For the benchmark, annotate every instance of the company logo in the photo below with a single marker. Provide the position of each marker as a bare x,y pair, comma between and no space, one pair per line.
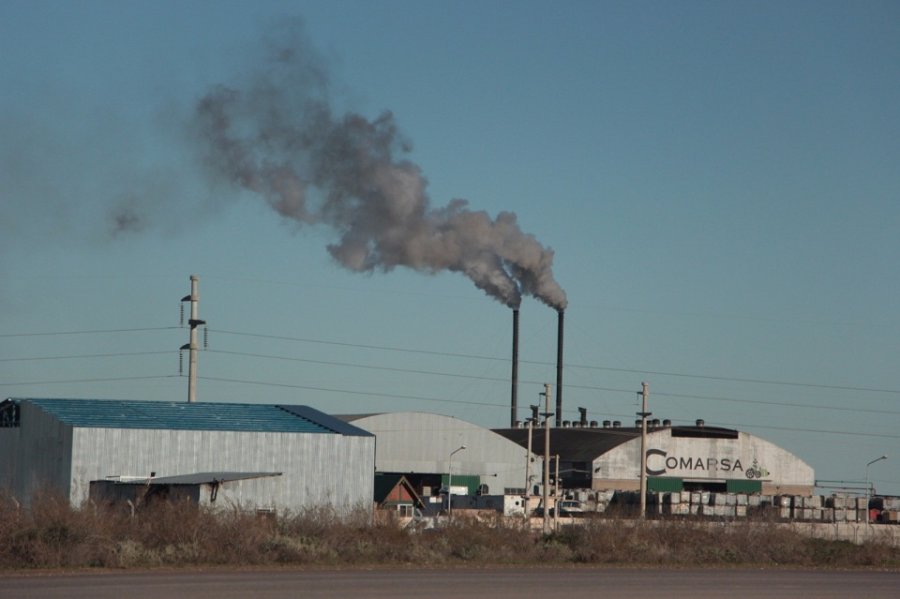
659,462
756,471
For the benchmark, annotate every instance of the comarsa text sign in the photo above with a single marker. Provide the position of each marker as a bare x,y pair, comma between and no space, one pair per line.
659,463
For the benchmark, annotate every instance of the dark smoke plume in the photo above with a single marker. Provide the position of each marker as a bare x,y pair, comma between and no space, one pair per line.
277,135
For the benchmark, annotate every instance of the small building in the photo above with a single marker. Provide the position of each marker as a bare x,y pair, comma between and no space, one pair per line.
264,457
393,492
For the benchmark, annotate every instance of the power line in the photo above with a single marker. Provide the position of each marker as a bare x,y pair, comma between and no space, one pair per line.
570,365
94,380
570,386
366,393
471,356
740,380
361,346
811,430
88,332
77,357
492,405
776,403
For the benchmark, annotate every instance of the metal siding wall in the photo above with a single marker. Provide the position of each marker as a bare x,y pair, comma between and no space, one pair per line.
422,442
9,450
42,455
318,469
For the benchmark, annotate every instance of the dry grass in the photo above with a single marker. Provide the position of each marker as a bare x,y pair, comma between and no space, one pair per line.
52,534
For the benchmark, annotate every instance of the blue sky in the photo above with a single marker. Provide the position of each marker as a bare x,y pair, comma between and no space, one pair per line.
717,180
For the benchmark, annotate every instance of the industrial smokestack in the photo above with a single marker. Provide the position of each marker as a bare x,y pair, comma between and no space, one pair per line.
513,415
559,367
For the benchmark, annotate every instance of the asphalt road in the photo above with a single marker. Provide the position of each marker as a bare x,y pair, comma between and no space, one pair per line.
496,583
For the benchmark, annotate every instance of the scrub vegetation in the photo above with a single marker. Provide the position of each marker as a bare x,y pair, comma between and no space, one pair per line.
52,534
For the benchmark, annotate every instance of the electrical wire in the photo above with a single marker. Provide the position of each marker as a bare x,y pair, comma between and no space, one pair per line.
505,406
347,391
94,380
89,332
84,356
569,365
569,386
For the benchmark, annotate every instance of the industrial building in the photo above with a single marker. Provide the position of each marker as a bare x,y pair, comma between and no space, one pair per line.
264,457
698,457
427,447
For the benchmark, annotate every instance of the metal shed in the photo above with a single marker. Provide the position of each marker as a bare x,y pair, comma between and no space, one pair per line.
63,444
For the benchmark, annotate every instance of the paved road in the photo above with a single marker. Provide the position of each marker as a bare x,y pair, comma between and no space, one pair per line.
496,583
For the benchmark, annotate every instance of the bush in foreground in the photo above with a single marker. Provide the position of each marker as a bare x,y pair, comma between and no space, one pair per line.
52,534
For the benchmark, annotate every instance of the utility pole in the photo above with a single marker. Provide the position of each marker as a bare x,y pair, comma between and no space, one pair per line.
531,422
645,391
192,348
546,485
556,494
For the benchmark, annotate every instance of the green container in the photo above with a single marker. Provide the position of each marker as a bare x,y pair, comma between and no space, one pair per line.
469,481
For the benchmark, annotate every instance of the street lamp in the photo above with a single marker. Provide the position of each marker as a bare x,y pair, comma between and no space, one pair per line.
884,457
450,481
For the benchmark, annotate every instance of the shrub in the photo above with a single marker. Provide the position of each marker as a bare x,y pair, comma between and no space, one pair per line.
52,534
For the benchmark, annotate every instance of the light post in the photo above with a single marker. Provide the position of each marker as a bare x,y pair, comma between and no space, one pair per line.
884,457
450,481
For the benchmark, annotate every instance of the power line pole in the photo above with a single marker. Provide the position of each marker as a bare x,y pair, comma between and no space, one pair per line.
546,485
531,422
556,495
645,391
194,321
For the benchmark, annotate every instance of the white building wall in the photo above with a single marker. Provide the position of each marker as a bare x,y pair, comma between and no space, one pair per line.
317,469
421,442
705,458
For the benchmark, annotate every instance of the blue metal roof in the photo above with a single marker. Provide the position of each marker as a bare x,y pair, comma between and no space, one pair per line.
106,413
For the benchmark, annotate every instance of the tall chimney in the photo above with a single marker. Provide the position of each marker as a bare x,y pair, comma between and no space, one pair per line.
515,369
559,368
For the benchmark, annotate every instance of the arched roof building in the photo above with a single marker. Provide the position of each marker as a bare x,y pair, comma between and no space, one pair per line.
678,457
419,444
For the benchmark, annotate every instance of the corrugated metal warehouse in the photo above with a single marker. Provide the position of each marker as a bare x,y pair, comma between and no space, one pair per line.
678,458
419,444
255,456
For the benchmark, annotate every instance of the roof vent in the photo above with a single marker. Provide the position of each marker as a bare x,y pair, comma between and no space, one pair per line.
594,424
700,423
617,423
667,423
607,424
